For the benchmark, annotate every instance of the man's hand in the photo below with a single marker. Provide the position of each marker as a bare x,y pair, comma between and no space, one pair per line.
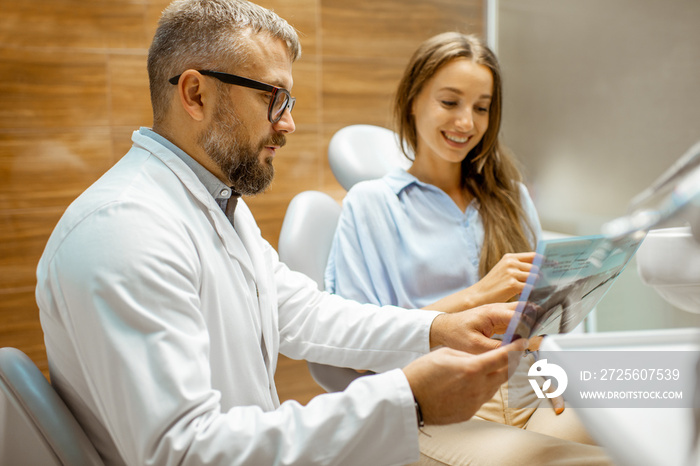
451,385
471,330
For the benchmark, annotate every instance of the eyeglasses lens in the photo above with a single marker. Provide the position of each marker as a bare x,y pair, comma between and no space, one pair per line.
279,105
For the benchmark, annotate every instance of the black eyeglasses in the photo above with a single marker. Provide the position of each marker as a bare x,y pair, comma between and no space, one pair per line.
279,102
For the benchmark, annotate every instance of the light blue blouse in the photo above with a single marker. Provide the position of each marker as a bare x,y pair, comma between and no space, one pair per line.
403,242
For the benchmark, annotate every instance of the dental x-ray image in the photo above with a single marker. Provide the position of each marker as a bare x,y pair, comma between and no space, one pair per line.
568,278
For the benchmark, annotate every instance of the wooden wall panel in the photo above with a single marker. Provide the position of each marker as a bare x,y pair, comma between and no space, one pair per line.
52,167
304,15
391,29
74,85
48,89
306,89
129,96
364,51
72,24
20,326
23,235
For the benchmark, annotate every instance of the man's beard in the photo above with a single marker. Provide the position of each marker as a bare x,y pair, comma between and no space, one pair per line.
228,145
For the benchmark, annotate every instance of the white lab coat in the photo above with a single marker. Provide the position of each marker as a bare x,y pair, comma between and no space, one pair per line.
163,324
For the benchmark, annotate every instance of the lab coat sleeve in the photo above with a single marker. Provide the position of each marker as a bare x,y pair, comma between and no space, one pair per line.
137,341
328,329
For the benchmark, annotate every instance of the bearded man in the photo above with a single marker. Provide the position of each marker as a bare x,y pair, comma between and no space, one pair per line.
164,310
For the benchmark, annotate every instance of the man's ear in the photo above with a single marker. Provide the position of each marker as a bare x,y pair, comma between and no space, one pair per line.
191,90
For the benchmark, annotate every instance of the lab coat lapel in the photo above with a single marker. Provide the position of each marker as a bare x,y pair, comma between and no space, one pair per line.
241,244
218,219
250,237
231,240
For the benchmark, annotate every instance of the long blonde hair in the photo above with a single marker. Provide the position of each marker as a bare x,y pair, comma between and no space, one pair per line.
489,173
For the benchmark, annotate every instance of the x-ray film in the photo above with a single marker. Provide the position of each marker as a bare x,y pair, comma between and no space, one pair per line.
568,278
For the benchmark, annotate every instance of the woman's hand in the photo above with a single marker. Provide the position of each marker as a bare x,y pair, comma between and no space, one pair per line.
503,282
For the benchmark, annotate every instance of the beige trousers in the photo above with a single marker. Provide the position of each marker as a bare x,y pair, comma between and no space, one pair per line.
478,442
503,433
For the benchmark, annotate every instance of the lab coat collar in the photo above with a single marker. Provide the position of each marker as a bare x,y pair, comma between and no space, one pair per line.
215,186
231,241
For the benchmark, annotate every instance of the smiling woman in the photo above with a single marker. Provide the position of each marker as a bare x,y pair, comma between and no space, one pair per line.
460,216
461,76
453,232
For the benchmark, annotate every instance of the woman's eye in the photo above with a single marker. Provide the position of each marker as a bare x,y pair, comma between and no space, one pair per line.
449,103
482,109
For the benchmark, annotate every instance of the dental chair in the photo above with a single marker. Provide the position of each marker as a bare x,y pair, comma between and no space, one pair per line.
304,243
37,427
355,153
307,232
364,152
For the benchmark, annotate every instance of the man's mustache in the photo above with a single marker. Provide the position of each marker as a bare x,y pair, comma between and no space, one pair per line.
277,140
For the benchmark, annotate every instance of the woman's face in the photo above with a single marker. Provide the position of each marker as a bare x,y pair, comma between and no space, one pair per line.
452,110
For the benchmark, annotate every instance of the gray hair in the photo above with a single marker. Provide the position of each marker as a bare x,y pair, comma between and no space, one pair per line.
201,34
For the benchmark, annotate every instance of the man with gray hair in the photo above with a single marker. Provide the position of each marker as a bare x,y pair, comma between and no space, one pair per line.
164,309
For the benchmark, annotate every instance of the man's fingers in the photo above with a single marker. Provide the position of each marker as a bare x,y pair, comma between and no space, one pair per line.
519,345
485,344
497,359
500,376
500,315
